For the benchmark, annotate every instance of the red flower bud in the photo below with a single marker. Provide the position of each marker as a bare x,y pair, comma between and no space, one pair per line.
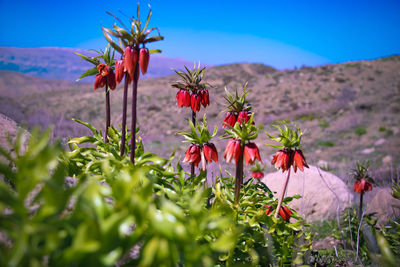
230,120
210,152
183,98
361,186
233,150
257,175
119,71
244,117
205,97
251,153
104,69
299,160
195,102
144,58
111,80
99,81
193,155
130,60
282,159
285,213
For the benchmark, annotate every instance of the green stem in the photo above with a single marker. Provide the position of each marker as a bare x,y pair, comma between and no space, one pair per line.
283,194
134,103
108,116
239,175
194,123
124,106
361,205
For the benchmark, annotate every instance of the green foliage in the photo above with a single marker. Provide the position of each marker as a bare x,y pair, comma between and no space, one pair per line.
326,143
191,79
357,234
360,130
288,137
199,134
115,207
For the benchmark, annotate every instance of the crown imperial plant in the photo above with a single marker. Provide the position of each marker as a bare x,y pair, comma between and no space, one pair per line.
131,42
363,181
289,155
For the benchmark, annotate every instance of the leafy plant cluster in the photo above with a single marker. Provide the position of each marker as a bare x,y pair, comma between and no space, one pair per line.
92,207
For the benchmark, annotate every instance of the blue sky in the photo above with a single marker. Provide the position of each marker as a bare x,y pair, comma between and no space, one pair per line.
282,34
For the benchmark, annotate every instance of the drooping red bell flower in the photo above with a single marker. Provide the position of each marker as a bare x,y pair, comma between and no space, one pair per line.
205,97
251,153
195,102
282,159
244,116
144,58
257,174
99,81
119,70
210,152
130,60
111,80
183,98
299,160
233,150
193,155
361,186
230,120
284,212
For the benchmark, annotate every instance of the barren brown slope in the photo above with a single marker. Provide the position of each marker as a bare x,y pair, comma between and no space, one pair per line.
348,111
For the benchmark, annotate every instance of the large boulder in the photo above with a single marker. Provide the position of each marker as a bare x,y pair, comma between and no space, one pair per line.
384,205
321,196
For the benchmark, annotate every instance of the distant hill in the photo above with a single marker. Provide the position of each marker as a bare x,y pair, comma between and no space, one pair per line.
63,64
348,112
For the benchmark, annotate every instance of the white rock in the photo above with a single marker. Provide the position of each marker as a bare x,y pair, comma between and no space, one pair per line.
368,150
385,205
380,141
318,202
387,159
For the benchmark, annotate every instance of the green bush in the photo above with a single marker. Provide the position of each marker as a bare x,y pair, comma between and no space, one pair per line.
147,214
360,131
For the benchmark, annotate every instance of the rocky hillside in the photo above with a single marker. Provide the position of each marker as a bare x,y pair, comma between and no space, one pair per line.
349,112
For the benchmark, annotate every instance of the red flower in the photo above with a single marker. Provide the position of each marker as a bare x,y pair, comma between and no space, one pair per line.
104,69
299,160
130,60
205,97
244,116
233,150
119,70
99,81
230,120
257,175
251,153
361,186
195,102
144,58
183,98
268,210
284,212
111,80
210,152
282,159
193,155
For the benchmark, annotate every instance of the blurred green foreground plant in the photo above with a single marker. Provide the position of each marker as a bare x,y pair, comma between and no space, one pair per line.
90,207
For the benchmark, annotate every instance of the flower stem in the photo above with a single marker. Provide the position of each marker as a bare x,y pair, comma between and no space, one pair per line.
194,123
125,103
134,102
108,119
239,175
283,194
361,205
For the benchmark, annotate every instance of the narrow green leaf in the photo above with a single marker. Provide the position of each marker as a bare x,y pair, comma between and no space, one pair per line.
89,72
